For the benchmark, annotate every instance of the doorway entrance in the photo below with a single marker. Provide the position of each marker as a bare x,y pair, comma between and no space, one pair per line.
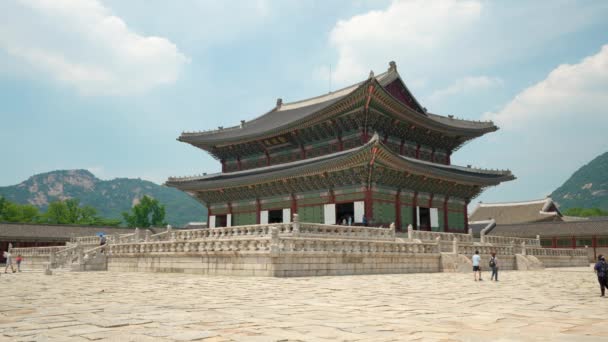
345,212
275,216
424,218
221,220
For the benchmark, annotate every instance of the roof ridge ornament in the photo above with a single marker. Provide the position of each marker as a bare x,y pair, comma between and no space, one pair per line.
279,102
392,66
371,74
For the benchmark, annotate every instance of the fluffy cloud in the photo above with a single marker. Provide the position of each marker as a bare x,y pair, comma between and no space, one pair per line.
410,28
576,91
82,44
550,129
466,85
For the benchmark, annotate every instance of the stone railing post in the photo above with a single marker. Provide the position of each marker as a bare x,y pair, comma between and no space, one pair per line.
296,224
52,258
470,232
438,242
136,236
147,235
523,248
274,241
410,232
392,228
455,245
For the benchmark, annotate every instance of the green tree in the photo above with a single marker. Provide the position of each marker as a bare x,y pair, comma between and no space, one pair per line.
70,212
13,212
585,212
147,213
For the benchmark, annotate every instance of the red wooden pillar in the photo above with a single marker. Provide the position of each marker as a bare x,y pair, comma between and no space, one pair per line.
223,165
446,226
368,204
554,242
385,139
573,242
229,212
258,210
401,147
448,159
267,158
208,215
238,163
433,155
294,204
466,217
303,151
417,151
415,212
398,210
594,245
340,143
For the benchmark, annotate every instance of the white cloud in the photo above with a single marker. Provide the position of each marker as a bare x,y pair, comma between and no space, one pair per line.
82,44
405,28
570,91
550,129
466,85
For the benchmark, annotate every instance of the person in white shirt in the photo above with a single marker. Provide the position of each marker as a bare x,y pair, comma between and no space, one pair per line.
476,268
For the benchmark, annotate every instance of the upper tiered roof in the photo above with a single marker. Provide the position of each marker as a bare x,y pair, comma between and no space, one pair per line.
286,117
517,212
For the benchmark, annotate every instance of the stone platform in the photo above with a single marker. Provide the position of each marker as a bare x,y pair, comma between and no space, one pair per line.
546,305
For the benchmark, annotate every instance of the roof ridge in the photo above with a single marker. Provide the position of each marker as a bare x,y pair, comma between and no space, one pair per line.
501,204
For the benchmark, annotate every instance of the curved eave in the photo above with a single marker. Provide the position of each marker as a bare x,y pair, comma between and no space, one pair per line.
446,125
339,161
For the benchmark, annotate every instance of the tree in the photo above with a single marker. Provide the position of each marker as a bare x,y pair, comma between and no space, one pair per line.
147,213
13,212
585,212
70,212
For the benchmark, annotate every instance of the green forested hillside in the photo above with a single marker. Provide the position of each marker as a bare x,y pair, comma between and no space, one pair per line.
587,187
110,198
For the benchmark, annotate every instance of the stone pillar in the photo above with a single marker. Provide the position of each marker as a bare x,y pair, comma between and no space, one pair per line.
438,242
392,228
410,232
296,224
52,258
136,236
470,231
523,248
274,241
147,236
455,245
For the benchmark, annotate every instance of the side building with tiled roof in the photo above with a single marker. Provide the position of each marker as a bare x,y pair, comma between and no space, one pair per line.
366,153
517,212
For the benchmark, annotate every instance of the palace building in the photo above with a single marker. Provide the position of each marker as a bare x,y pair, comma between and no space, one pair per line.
368,153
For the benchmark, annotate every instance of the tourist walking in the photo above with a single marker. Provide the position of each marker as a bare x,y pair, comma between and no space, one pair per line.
601,269
9,262
476,267
18,259
494,267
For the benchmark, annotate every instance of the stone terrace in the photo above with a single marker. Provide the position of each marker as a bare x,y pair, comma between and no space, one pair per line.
549,305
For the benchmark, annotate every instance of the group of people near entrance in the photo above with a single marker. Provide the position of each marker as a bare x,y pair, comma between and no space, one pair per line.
493,264
9,262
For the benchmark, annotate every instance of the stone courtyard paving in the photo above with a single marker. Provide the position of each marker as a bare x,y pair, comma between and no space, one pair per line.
548,305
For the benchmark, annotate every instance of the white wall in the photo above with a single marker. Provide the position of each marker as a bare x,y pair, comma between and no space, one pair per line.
329,213
359,211
264,217
286,215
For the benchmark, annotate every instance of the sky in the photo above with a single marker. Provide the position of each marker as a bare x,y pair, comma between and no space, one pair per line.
108,85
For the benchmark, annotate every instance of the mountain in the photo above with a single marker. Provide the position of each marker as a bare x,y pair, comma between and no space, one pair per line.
110,198
587,187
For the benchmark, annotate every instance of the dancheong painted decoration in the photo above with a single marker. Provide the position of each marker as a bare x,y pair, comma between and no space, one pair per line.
365,154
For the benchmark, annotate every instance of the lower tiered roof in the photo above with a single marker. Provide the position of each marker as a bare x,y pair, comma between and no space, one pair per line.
372,153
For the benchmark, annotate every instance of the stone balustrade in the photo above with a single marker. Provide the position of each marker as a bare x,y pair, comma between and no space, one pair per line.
300,244
555,252
507,240
85,240
432,236
343,232
251,244
469,250
36,251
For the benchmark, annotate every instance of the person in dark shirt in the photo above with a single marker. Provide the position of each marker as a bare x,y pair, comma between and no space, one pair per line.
601,269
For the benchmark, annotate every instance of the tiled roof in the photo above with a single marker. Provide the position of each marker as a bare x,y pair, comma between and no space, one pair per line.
47,232
342,159
516,212
553,229
285,114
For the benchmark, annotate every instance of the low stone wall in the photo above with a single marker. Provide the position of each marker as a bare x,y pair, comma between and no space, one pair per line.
563,261
220,263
